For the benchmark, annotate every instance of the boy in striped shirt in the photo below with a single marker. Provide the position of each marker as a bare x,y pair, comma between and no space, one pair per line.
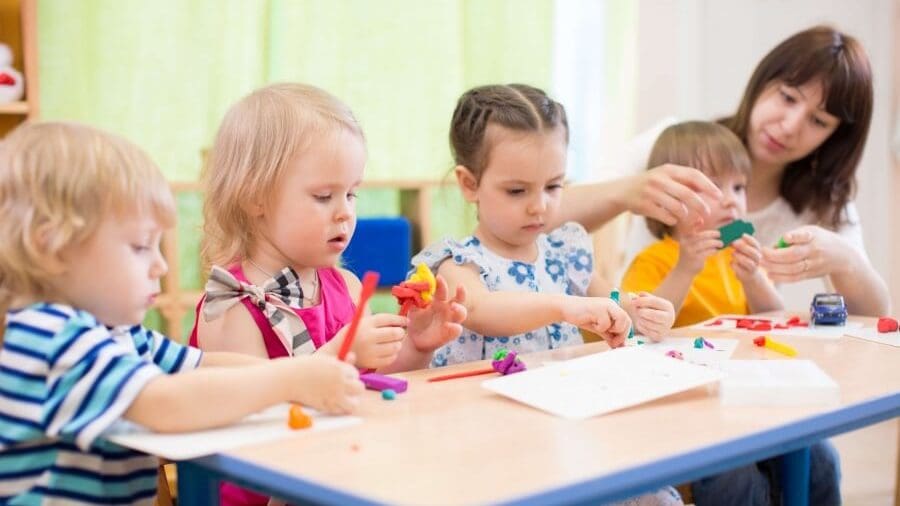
81,217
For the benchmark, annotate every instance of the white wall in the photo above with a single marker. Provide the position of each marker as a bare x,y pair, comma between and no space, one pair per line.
695,57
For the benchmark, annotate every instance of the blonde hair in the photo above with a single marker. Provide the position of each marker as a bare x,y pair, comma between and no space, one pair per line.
708,147
258,137
58,182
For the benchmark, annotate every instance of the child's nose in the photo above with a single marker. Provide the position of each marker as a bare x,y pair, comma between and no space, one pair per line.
729,199
538,205
344,211
159,267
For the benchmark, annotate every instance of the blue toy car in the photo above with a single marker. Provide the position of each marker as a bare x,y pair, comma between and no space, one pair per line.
828,309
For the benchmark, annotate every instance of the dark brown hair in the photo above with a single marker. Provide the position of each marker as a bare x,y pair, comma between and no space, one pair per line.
825,180
709,147
515,106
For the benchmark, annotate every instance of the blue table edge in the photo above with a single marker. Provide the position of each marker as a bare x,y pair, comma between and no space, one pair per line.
194,475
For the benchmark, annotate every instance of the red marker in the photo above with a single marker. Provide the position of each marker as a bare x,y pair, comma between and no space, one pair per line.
369,282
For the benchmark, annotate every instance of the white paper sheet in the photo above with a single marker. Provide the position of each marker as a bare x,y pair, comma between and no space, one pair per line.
776,383
264,426
603,382
872,334
817,331
723,348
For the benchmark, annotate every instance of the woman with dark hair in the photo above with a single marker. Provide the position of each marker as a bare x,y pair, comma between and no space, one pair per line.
804,119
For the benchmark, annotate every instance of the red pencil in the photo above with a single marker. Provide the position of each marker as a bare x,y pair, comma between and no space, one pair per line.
369,282
464,374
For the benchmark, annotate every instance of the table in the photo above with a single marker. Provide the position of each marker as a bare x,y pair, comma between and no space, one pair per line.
455,443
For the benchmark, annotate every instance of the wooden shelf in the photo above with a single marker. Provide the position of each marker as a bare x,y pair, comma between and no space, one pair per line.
18,30
19,107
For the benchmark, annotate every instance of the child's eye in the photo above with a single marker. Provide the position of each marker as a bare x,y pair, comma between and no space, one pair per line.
140,248
554,187
322,198
352,196
818,122
515,191
739,188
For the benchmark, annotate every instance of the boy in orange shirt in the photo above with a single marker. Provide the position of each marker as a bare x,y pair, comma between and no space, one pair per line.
688,265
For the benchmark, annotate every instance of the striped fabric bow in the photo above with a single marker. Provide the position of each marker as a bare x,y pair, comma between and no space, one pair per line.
274,299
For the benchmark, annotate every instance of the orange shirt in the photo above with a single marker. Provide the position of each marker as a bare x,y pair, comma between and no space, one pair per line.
714,291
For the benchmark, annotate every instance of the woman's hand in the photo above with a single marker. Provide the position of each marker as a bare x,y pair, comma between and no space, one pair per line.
813,252
670,193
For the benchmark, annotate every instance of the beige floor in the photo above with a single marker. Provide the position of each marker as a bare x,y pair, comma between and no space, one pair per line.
869,464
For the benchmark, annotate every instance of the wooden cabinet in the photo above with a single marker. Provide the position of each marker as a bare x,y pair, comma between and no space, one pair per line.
18,30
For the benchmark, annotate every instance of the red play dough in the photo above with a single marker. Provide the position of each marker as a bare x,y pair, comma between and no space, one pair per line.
886,324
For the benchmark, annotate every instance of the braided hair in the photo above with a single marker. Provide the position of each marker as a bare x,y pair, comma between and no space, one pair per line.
517,107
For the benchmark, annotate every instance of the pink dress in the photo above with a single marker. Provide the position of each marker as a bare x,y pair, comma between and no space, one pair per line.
323,321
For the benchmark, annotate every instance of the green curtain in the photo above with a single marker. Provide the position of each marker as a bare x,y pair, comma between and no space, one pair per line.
162,73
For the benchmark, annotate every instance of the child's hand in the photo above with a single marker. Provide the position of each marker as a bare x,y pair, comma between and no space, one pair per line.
378,340
695,248
746,258
600,315
652,315
325,384
440,322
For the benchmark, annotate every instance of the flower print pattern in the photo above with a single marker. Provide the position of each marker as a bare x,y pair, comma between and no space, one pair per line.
563,265
555,269
520,271
581,260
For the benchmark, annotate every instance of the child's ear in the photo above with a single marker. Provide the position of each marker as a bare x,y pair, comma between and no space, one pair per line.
254,209
52,258
468,184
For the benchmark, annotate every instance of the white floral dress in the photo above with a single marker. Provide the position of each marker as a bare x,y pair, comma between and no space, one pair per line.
563,266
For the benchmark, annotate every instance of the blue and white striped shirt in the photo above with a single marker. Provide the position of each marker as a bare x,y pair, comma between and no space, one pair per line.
64,379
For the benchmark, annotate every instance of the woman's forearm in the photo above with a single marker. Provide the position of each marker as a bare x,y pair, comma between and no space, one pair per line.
865,291
667,193
592,205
